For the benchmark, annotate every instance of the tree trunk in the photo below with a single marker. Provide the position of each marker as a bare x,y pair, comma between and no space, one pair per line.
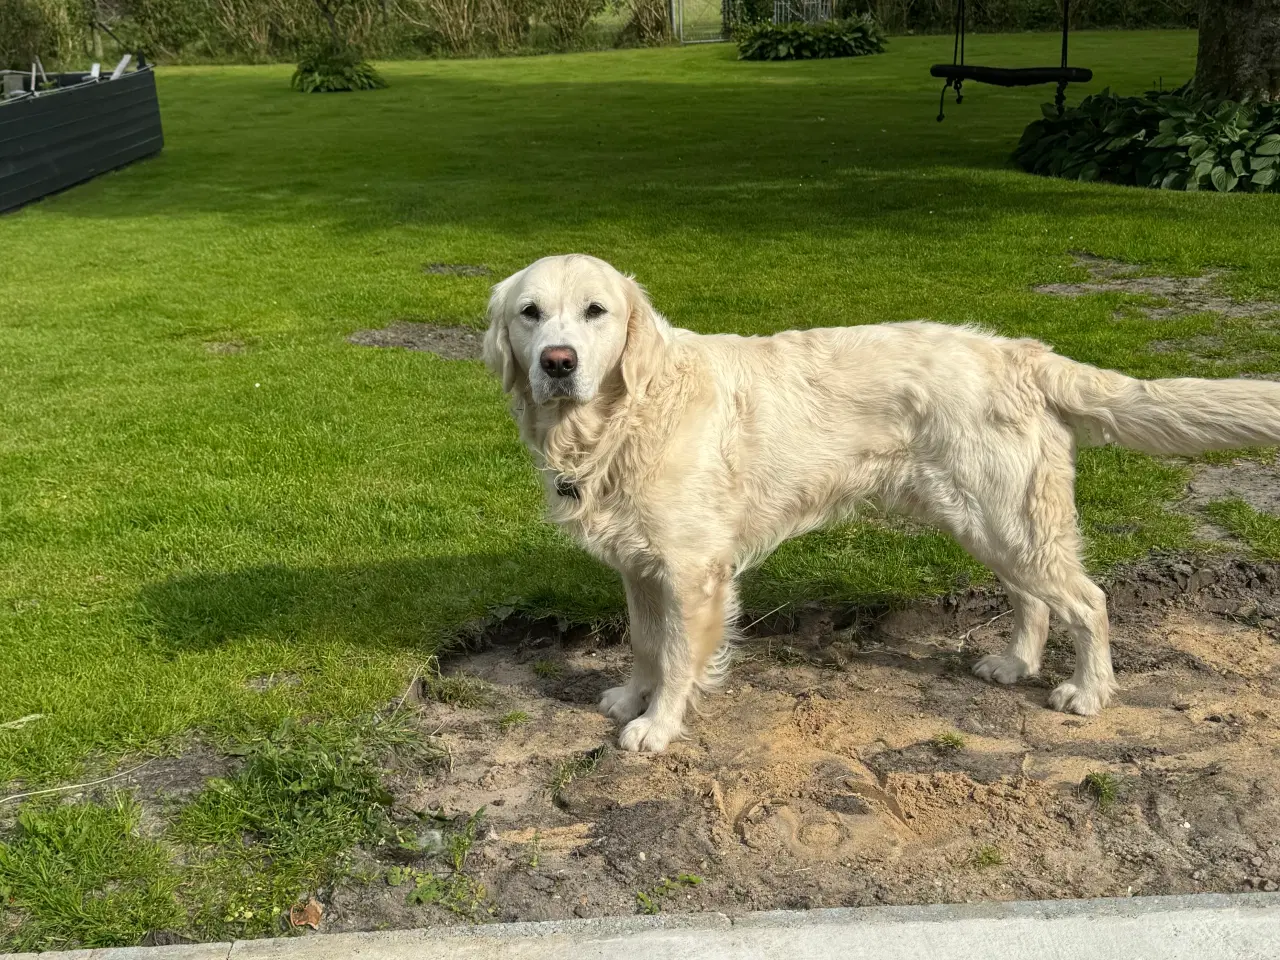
327,12
1239,55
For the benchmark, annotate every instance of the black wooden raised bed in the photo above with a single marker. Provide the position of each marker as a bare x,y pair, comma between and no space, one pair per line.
79,129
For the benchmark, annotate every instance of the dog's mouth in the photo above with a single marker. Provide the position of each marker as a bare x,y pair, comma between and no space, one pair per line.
546,389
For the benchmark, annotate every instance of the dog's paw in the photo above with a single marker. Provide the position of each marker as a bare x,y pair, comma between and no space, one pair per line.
623,703
643,735
999,668
1070,697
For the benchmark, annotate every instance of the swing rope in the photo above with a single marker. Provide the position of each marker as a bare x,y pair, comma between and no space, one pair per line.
957,72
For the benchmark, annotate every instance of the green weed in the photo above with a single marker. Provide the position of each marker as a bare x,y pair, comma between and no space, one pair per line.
456,690
987,856
650,901
1103,787
573,768
948,742
82,875
509,721
283,825
547,669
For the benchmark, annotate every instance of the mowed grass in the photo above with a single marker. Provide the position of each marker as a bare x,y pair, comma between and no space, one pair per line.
203,483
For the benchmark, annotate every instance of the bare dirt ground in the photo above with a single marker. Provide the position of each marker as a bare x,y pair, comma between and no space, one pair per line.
817,777
853,759
451,343
1170,296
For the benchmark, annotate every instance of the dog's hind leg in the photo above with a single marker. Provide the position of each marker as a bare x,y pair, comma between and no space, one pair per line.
693,634
1083,606
1021,658
1022,524
1063,587
645,623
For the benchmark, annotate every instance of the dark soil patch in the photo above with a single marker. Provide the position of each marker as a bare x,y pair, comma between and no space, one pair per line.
456,269
817,776
1257,484
451,343
174,780
1180,296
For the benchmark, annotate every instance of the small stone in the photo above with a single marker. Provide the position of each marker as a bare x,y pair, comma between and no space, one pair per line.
1270,886
1256,861
642,857
1198,876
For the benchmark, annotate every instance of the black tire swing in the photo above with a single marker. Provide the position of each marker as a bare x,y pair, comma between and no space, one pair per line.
957,72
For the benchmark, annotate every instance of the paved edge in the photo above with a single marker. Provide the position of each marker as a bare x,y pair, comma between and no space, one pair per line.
345,944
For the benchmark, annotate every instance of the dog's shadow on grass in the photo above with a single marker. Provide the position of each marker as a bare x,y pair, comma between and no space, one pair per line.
408,602
419,603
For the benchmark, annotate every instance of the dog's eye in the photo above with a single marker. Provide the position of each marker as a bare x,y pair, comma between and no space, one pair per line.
595,310
531,311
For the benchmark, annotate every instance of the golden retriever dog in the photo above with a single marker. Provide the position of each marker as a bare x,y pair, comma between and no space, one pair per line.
681,459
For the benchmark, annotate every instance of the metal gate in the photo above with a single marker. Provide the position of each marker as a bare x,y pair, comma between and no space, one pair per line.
700,21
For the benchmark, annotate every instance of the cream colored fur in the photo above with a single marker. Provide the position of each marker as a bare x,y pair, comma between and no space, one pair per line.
695,456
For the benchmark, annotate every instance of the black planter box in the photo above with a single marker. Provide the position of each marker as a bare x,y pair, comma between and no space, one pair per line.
71,134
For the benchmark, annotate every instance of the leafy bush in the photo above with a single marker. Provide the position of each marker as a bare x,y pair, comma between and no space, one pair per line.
1010,16
253,31
744,13
567,20
1172,140
329,69
646,25
854,37
21,34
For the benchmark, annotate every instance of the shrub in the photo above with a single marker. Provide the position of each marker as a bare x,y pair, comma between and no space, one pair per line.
744,13
164,28
647,24
1002,16
853,37
1172,140
568,20
21,34
329,69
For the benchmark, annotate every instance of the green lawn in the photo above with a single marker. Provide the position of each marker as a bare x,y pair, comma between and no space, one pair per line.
176,521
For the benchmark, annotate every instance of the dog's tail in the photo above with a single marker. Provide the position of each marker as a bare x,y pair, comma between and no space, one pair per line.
1184,416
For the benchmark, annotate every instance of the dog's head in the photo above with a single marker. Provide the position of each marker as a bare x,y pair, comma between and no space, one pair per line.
565,326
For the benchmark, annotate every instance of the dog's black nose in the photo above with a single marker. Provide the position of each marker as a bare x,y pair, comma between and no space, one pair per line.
559,362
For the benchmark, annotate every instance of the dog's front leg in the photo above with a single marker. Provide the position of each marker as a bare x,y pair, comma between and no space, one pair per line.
645,624
692,623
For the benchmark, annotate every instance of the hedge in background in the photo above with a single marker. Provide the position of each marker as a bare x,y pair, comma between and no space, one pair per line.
854,37
998,16
258,31
1172,140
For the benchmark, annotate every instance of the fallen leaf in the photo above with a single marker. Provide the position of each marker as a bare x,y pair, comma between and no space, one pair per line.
306,915
21,721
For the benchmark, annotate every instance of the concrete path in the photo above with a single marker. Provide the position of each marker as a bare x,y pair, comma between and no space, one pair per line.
1203,927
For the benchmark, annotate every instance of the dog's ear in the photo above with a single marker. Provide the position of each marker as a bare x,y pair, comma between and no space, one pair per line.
497,353
643,353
